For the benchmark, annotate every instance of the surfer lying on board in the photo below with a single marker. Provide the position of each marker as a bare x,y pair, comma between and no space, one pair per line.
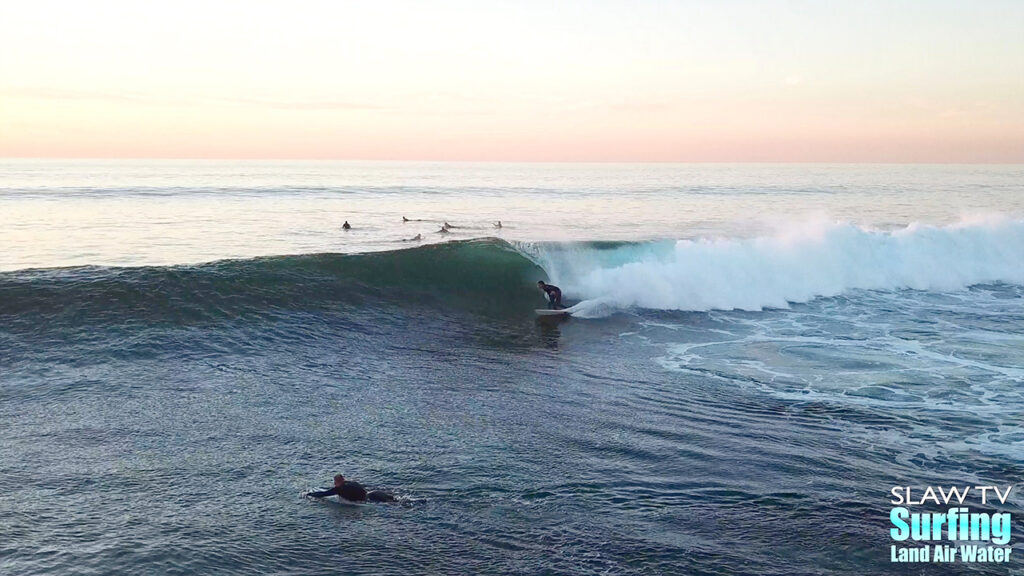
554,295
352,491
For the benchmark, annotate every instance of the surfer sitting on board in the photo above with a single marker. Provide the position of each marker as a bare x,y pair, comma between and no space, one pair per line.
352,491
554,295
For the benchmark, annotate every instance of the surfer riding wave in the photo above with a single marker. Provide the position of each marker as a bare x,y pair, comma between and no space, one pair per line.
554,294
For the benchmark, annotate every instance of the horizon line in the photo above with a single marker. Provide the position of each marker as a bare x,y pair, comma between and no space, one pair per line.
477,161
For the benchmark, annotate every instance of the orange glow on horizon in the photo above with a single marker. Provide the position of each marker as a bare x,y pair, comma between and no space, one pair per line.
654,82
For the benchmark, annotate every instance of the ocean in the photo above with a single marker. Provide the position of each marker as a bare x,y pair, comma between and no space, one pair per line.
758,355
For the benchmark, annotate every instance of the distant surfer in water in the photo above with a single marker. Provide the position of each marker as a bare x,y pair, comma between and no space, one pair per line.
443,230
554,294
352,491
497,224
415,238
346,226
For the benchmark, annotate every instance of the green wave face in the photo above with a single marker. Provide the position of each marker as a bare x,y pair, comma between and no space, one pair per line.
484,276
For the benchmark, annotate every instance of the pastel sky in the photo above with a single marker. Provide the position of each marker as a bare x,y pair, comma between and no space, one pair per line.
641,80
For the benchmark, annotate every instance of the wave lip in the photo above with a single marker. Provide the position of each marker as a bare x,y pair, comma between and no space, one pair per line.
812,260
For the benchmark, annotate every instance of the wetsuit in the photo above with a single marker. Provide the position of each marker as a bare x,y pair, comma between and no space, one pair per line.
554,296
354,492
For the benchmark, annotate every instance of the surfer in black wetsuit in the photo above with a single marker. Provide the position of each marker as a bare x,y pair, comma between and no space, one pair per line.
352,491
554,294
346,226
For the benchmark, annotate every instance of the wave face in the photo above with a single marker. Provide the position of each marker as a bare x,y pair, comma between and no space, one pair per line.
811,260
814,259
484,275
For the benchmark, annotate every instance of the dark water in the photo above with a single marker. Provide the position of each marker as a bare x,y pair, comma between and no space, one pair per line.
166,420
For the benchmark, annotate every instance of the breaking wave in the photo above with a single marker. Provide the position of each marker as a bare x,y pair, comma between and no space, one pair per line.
815,259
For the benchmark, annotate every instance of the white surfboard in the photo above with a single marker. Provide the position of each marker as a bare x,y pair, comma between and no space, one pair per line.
346,503
547,312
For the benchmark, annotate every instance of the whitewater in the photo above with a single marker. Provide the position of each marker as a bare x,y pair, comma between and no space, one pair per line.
756,352
805,261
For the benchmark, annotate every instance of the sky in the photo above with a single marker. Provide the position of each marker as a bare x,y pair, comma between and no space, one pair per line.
643,80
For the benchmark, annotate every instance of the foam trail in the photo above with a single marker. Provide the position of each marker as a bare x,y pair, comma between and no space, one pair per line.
594,308
812,260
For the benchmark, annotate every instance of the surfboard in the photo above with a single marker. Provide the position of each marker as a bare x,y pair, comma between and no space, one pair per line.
547,312
346,503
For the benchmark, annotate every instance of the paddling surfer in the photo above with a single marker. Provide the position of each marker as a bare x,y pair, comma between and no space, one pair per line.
352,491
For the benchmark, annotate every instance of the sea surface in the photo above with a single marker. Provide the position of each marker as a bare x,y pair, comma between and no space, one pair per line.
757,355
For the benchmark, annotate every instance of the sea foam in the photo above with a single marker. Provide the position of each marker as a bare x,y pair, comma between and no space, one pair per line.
796,264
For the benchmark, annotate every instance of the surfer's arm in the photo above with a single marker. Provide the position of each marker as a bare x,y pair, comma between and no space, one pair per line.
323,493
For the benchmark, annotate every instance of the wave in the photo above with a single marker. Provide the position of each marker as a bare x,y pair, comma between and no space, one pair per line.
490,276
482,275
813,259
